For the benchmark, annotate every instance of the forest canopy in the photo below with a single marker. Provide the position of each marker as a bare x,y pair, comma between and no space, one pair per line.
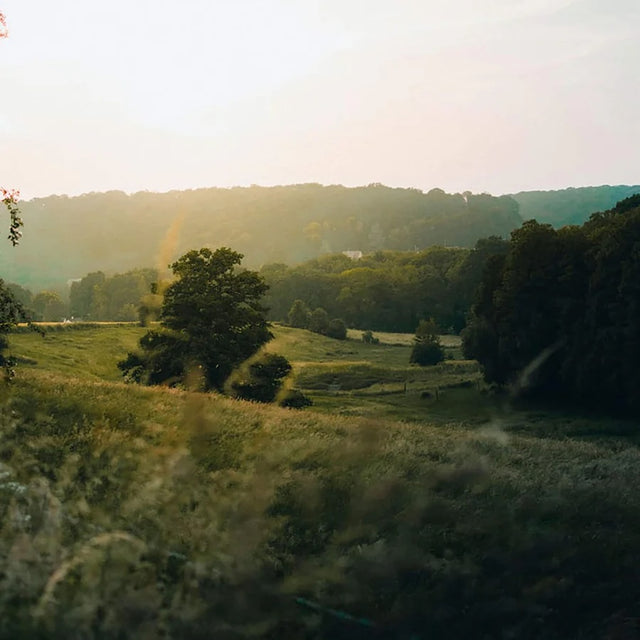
557,316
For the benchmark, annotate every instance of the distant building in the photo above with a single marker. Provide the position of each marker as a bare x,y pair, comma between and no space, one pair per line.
354,255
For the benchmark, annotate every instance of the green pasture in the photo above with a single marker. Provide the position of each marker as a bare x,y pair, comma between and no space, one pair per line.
345,376
376,380
89,353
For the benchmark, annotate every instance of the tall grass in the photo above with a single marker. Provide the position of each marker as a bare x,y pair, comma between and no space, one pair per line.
133,512
148,512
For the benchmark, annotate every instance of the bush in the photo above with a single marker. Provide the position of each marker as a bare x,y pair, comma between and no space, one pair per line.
427,349
369,338
337,329
264,379
427,353
295,399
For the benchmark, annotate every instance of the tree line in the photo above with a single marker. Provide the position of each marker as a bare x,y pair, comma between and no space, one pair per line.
385,290
557,315
121,297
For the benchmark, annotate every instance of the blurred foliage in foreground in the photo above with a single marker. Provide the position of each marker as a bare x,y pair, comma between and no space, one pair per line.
133,512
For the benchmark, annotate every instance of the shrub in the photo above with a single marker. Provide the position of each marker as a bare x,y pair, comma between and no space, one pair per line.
264,379
426,354
337,329
427,349
295,399
369,338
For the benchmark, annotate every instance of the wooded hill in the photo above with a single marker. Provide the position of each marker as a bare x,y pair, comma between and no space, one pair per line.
68,237
570,206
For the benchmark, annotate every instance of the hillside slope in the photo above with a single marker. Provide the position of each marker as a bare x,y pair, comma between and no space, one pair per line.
69,237
145,512
570,206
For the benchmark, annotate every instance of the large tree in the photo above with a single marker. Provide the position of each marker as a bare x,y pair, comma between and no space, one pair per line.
212,321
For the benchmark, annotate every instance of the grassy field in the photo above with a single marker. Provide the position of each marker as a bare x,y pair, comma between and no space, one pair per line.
376,380
348,377
87,353
131,512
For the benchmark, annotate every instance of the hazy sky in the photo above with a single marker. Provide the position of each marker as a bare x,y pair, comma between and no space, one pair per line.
486,95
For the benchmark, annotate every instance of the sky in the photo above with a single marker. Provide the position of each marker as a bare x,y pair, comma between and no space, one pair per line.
481,95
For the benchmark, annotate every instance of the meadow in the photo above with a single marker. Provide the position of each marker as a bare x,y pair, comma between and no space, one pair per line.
435,511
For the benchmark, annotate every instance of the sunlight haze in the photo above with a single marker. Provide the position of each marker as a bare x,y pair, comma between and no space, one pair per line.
498,96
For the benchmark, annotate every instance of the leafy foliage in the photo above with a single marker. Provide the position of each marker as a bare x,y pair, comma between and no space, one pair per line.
212,321
383,291
427,349
121,297
557,316
295,399
264,379
9,198
12,311
319,321
336,329
369,338
299,315
48,306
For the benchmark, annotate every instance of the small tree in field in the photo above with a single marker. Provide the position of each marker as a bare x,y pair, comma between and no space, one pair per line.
427,349
369,338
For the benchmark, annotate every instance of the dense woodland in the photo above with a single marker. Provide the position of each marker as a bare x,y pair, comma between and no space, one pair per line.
386,290
68,237
383,291
95,297
558,314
